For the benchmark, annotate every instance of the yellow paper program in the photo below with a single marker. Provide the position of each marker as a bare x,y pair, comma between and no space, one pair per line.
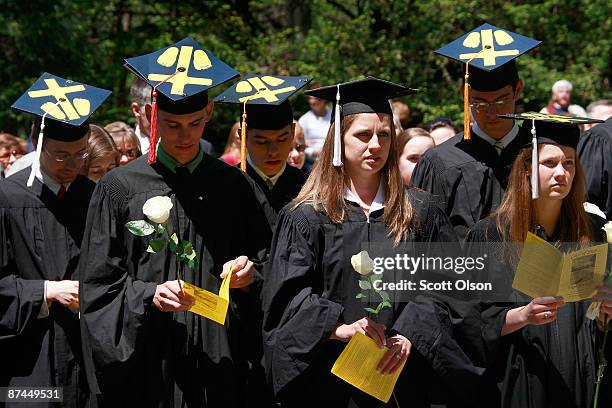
357,366
209,305
543,270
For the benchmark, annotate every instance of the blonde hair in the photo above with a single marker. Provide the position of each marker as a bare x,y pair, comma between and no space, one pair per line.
324,188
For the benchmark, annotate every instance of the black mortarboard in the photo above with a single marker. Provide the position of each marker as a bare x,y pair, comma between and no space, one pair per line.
367,95
549,129
491,51
61,107
180,76
265,100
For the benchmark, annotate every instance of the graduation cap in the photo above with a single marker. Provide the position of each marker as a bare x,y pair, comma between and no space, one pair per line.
549,129
367,95
62,108
180,76
265,101
491,50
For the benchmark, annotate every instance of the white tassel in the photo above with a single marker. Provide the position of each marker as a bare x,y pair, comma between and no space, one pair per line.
36,163
337,160
535,178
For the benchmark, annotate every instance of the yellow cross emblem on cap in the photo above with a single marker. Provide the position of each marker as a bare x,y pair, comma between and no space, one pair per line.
488,38
556,118
182,58
72,110
261,85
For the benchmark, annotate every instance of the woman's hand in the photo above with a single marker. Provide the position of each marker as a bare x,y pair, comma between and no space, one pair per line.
542,310
65,292
170,298
367,326
399,350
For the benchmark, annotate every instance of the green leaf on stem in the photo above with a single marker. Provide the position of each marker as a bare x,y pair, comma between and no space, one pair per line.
384,296
365,285
173,243
360,296
370,310
156,245
160,229
140,228
192,263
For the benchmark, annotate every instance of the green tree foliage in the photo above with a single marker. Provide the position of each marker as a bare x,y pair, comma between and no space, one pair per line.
333,41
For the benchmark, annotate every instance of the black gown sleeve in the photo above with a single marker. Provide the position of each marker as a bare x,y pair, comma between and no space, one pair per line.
445,329
20,299
296,319
595,153
113,304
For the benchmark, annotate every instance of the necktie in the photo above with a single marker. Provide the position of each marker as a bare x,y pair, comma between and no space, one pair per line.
499,146
61,192
269,184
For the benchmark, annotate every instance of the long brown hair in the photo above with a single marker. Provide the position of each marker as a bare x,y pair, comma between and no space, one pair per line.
515,216
324,189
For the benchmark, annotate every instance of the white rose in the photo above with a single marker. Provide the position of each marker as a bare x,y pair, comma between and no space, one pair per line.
608,229
157,208
362,263
593,209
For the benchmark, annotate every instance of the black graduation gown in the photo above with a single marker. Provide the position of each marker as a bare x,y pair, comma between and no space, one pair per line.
286,189
138,355
546,366
40,238
468,177
595,154
310,285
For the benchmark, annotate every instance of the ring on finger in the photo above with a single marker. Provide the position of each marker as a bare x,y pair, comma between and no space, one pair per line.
547,314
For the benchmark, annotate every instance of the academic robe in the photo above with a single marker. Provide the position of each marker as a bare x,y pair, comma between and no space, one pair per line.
595,154
310,286
469,178
140,356
285,189
538,366
40,239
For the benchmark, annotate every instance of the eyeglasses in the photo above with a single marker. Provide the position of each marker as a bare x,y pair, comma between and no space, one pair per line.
495,106
63,157
299,147
6,155
130,154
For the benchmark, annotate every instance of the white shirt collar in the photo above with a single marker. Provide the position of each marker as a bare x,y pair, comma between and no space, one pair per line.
377,204
261,174
506,140
143,140
53,185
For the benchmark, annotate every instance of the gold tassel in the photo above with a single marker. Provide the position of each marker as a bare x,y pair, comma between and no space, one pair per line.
243,147
243,131
467,135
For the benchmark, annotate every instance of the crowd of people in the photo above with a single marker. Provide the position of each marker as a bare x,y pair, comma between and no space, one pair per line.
101,310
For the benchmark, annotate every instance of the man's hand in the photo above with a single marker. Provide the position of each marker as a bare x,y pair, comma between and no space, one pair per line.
65,292
169,297
243,272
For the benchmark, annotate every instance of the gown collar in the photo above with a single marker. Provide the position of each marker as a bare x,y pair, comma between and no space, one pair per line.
377,204
506,140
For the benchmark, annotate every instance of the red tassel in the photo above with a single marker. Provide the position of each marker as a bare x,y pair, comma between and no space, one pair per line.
153,133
